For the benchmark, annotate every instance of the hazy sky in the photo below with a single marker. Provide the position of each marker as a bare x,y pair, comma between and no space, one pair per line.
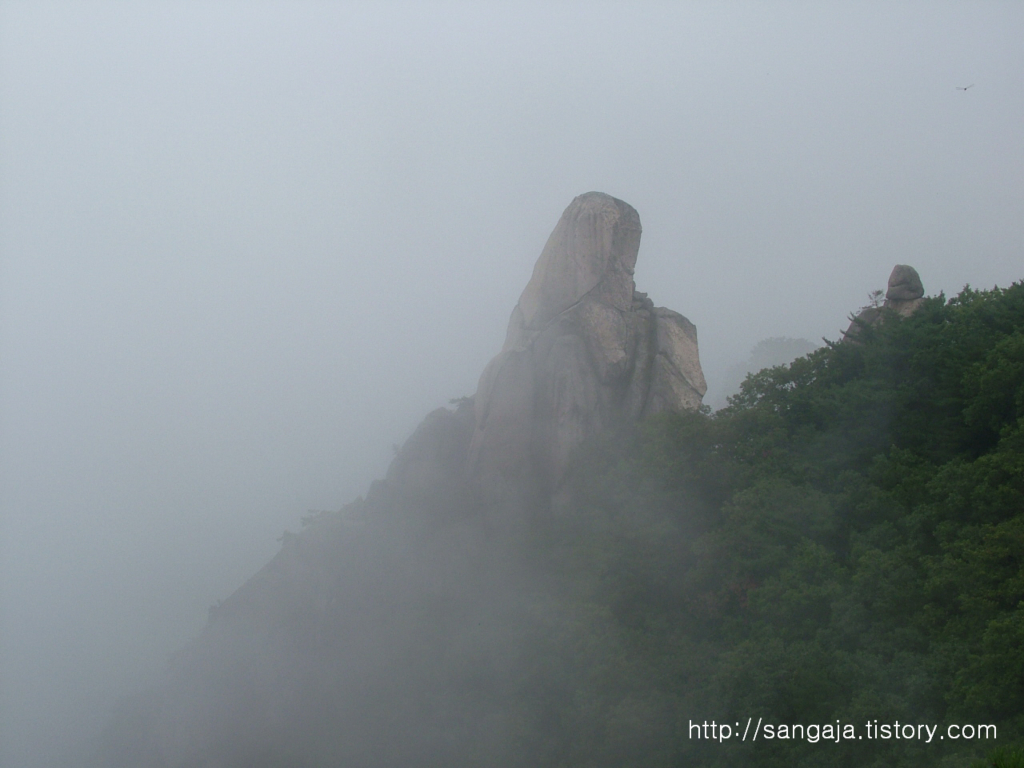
246,247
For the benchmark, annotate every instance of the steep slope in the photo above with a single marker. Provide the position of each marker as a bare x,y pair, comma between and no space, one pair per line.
840,546
414,627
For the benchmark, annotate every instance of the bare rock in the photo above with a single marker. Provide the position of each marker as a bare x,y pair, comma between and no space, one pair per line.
677,380
584,352
905,291
591,253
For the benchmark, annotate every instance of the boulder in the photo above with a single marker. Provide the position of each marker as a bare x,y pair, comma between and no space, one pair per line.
904,294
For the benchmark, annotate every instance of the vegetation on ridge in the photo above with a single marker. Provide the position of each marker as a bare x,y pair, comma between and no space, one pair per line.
844,542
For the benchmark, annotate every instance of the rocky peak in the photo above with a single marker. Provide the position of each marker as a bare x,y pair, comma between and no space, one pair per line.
591,253
584,352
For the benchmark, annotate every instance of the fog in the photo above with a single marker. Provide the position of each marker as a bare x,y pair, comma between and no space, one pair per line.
245,248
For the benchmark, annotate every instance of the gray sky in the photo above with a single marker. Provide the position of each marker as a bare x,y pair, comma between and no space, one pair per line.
244,248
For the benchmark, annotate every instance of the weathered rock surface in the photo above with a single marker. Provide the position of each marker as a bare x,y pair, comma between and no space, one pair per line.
905,291
904,294
584,352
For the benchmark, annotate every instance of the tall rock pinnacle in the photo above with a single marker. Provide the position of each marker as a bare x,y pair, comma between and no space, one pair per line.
584,352
591,253
413,595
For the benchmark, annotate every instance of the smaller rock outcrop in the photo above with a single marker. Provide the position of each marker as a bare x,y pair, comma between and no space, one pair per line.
904,294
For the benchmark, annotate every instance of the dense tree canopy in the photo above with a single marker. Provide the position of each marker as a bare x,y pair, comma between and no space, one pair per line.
842,545
843,542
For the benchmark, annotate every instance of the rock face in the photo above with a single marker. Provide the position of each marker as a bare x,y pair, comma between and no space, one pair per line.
905,291
904,294
584,352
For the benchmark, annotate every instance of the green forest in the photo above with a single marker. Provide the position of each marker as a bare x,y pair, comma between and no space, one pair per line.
842,544
794,580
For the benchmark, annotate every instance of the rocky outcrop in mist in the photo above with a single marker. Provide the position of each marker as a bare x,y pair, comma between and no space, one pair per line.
584,352
406,629
904,294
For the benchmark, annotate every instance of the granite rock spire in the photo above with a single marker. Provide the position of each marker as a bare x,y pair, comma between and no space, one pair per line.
584,352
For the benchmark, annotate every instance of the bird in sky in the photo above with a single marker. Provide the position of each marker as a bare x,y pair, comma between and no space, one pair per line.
964,87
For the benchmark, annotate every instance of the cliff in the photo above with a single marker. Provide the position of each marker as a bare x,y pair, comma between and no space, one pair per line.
395,632
584,352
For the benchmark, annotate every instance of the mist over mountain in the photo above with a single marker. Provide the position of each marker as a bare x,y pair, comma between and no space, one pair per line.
246,248
410,627
767,353
576,563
